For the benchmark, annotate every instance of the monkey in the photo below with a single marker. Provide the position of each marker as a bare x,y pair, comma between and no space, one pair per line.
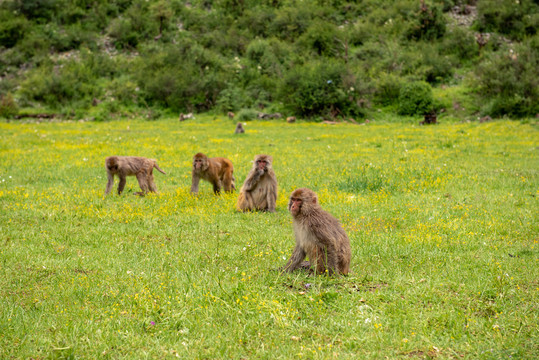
239,129
218,171
184,117
318,235
259,191
231,115
291,119
140,167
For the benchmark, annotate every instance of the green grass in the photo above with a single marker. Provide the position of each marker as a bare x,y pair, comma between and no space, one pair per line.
443,222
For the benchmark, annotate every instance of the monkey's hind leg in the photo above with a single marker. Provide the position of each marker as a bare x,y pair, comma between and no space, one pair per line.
143,183
151,183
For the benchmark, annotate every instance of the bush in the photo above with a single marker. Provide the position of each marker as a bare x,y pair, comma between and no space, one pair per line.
73,83
460,43
387,89
8,107
231,99
247,115
429,24
12,29
320,38
516,19
508,80
318,88
183,77
415,98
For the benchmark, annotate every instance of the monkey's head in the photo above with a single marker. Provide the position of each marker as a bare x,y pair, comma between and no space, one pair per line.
302,201
263,162
200,162
112,164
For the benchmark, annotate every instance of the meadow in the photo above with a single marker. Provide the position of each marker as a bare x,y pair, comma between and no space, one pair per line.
443,222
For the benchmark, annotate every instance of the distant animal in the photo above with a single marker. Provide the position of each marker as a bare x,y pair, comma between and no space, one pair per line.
184,117
239,129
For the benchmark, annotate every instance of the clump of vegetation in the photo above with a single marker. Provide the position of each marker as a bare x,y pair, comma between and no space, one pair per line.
247,115
415,98
8,106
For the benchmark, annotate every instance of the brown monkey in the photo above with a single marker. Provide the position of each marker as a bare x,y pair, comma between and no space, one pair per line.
259,191
231,115
218,171
318,236
239,129
140,167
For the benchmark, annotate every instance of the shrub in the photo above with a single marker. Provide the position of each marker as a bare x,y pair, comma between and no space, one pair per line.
247,115
317,88
459,42
508,80
415,98
387,89
290,22
122,32
231,99
12,29
516,19
8,106
434,68
429,24
320,38
183,77
71,83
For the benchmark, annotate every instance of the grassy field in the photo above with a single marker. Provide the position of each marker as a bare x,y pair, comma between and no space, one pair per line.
443,222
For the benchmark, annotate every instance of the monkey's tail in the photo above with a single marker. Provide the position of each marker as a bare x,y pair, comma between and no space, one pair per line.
158,168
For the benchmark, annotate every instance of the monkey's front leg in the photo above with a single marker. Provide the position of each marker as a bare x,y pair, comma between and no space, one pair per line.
110,183
295,260
121,185
194,184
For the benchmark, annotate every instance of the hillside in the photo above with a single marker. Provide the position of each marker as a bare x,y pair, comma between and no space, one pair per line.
315,59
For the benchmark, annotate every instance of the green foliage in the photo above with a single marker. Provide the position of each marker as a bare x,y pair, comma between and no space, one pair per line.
12,28
415,98
509,79
8,106
230,54
321,38
231,99
183,77
516,19
388,87
429,23
247,115
320,88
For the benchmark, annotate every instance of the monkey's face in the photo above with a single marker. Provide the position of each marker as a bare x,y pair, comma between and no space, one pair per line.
200,162
112,165
197,164
294,205
262,164
302,201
